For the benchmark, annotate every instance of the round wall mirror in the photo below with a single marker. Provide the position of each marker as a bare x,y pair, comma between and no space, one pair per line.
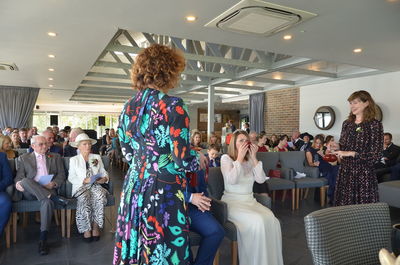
324,118
379,115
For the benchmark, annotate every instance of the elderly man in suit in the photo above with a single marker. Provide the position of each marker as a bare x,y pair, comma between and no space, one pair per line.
33,167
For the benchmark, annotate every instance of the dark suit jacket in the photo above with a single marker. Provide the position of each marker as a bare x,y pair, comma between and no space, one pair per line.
70,151
298,144
392,152
27,168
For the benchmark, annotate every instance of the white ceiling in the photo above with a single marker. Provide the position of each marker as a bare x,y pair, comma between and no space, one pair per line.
85,28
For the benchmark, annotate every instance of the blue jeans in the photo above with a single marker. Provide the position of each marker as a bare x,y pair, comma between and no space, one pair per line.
5,210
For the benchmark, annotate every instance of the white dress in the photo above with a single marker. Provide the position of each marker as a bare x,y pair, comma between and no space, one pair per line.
259,232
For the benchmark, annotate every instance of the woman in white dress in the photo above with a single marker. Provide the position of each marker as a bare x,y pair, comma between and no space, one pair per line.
259,232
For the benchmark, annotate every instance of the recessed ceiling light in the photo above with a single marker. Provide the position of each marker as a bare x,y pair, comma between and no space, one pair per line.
51,85
52,34
51,69
287,37
250,83
51,79
277,76
190,18
357,50
51,56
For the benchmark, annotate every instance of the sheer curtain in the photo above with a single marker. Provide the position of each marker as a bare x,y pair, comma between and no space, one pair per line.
256,112
16,105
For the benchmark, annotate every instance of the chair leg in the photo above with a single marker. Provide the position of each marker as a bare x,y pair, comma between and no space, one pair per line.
63,222
73,217
14,225
8,233
234,253
55,214
293,198
297,198
322,195
25,219
273,195
69,212
216,258
284,195
306,194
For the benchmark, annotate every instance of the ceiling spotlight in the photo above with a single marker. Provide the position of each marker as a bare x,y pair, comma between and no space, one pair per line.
287,37
51,85
51,79
357,50
52,34
51,56
51,69
277,77
190,18
250,83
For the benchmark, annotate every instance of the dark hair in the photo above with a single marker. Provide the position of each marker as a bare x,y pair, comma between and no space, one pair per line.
328,138
158,65
388,134
320,136
214,146
370,111
283,136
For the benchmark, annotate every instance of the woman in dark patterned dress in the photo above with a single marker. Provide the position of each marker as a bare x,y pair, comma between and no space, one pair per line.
361,145
152,224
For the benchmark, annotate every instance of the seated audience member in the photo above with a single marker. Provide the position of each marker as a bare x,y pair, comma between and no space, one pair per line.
62,136
202,222
49,136
15,142
70,151
7,131
23,136
246,127
315,158
259,231
92,197
282,145
253,137
56,131
5,147
195,141
306,141
6,179
34,131
390,152
32,169
274,140
261,143
213,155
329,144
213,140
104,144
296,142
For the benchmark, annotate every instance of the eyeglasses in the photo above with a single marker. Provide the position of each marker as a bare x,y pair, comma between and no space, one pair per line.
40,144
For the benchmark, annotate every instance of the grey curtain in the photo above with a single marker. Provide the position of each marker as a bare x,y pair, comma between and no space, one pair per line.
256,112
16,105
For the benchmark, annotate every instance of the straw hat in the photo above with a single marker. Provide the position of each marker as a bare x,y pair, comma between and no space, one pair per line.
82,137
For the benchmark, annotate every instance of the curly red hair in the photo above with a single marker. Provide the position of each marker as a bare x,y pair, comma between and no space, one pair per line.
159,66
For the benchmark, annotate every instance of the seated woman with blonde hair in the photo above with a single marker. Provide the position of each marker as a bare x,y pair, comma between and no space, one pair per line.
5,147
86,173
259,232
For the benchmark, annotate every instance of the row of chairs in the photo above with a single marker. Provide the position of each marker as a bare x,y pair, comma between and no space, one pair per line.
26,206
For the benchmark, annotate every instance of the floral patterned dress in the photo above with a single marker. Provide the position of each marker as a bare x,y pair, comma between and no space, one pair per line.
152,224
357,182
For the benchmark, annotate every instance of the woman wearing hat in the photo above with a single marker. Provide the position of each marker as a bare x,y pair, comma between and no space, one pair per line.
90,194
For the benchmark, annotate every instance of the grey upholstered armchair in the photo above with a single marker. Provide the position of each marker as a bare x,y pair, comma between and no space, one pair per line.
350,235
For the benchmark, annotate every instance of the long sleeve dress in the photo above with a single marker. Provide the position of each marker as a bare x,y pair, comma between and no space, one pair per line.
357,182
259,232
152,224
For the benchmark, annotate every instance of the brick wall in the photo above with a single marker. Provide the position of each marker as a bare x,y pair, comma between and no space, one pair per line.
281,111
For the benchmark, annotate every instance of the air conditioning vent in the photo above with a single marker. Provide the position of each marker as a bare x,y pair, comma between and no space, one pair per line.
8,66
259,18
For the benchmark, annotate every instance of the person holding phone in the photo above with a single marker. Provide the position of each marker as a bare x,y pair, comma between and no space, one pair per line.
361,146
259,231
91,196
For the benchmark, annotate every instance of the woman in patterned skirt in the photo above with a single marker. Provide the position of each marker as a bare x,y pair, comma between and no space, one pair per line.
152,224
91,196
361,145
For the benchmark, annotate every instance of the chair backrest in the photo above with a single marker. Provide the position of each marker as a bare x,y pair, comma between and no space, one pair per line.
215,182
293,159
351,234
268,159
106,162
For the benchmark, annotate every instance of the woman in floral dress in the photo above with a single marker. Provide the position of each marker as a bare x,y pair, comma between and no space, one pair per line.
361,146
152,224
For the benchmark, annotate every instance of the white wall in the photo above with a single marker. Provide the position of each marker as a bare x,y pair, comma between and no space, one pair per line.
384,88
193,116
